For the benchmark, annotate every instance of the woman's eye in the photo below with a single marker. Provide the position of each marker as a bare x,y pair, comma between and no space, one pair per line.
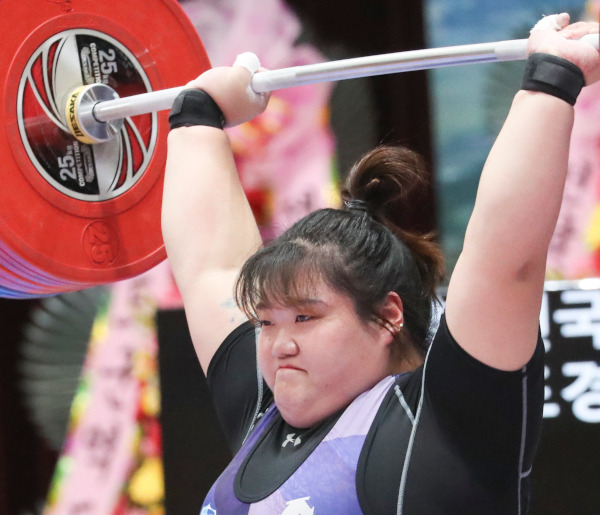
263,323
302,318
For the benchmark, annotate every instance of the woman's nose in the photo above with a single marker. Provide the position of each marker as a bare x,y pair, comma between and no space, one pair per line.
284,345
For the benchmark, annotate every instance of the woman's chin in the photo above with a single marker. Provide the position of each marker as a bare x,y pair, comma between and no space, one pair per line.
294,414
300,421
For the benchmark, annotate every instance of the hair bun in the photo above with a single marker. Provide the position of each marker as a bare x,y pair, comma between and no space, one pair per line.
385,179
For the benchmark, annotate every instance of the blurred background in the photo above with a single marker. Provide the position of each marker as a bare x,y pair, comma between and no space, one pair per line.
103,407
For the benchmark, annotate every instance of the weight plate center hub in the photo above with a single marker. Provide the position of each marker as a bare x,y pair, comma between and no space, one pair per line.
62,64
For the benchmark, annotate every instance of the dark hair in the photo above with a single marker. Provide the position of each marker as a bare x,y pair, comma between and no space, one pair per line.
360,251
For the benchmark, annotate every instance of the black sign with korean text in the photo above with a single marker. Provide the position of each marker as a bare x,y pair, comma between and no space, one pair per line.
566,473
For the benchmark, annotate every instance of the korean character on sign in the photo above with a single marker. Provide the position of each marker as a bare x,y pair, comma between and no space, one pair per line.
545,322
551,409
101,444
584,392
580,321
122,373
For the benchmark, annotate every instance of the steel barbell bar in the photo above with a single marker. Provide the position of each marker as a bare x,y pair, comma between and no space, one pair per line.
97,117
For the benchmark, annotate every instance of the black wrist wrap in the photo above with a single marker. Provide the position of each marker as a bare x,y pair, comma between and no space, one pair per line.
195,107
553,75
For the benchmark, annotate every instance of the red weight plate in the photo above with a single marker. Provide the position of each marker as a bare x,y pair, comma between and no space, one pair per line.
75,214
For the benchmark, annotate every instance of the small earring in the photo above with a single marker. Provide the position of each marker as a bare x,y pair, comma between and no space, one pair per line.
396,329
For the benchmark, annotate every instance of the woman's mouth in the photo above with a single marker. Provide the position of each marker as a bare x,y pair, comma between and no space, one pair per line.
288,367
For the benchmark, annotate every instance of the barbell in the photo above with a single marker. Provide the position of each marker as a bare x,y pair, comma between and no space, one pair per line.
84,102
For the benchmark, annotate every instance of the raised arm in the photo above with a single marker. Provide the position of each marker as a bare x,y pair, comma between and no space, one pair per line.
495,292
208,226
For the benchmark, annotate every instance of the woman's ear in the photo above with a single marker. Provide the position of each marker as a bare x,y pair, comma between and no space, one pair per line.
392,312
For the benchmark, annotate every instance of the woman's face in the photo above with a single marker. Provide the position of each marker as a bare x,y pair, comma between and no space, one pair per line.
318,356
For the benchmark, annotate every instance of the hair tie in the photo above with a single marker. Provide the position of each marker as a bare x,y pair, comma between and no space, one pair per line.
357,205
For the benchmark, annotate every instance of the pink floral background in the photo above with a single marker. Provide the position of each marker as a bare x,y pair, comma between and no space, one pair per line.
575,249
